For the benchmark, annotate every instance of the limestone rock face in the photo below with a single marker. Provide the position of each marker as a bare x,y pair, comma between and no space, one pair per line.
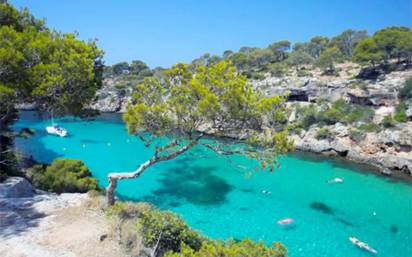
16,187
380,92
409,109
388,150
111,98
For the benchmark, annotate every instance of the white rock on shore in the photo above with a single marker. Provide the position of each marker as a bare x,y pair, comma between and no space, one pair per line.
49,225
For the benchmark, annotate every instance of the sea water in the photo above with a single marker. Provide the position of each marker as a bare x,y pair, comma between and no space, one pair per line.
224,197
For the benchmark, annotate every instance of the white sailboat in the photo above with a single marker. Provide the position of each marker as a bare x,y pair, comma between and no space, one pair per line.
54,129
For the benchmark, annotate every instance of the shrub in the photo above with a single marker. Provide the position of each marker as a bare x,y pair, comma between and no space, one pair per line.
324,133
244,248
307,115
169,229
303,73
331,116
340,111
124,217
356,135
256,75
369,127
388,121
153,227
400,114
63,176
406,91
294,127
278,69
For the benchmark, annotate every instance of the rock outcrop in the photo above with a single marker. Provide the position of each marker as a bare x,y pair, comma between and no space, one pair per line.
390,150
16,187
40,224
311,89
111,97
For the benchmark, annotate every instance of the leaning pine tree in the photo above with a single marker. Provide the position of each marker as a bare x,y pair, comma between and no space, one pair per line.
175,112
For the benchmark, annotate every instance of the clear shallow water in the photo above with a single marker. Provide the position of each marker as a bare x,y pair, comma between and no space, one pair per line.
218,196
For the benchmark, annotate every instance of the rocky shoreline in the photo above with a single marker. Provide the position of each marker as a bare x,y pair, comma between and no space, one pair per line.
381,152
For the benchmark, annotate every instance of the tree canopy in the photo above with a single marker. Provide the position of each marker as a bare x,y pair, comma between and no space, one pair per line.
385,44
57,71
187,104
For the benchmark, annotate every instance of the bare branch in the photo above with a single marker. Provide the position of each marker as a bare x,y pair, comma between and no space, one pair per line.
221,151
114,177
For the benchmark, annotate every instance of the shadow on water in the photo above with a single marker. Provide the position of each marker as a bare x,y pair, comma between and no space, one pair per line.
394,229
187,182
318,206
326,209
335,161
41,154
92,141
246,190
342,162
345,222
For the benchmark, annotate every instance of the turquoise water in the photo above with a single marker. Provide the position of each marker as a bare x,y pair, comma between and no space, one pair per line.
221,197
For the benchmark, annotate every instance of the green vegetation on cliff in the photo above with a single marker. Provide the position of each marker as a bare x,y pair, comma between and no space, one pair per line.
141,228
63,176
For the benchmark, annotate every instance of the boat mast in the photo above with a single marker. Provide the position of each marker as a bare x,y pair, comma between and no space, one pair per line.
52,119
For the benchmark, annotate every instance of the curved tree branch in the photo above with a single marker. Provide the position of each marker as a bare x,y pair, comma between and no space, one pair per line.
114,177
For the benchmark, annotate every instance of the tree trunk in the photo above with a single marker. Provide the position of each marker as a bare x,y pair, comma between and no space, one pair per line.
114,177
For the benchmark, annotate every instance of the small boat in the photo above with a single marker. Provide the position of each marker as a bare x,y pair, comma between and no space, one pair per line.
362,245
266,192
335,181
56,130
286,221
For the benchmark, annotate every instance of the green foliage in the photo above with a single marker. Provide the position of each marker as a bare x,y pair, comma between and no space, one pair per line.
385,44
394,42
162,229
8,159
406,92
19,20
216,96
303,73
278,69
367,52
120,68
356,135
388,121
329,57
307,115
347,41
313,48
169,229
63,176
369,127
279,50
170,235
55,70
338,111
324,133
400,114
316,46
244,248
298,59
